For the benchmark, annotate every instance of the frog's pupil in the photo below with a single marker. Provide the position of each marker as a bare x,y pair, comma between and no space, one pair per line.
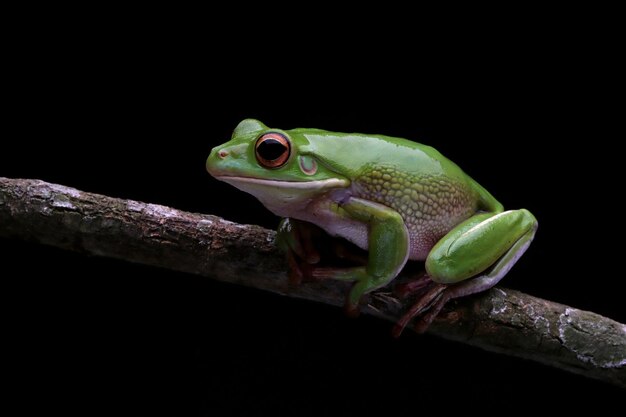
271,149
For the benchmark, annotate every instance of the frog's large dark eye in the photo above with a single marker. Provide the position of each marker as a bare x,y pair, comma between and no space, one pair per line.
272,150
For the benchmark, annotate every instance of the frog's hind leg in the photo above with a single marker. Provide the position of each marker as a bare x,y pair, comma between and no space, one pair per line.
475,285
488,241
488,280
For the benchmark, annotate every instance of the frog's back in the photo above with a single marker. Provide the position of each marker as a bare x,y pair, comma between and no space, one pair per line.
348,153
430,192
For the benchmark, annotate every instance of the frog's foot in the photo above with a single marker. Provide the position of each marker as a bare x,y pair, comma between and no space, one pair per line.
364,283
423,322
427,302
430,305
412,287
351,308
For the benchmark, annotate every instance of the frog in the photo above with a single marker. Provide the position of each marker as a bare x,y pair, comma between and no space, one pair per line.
397,199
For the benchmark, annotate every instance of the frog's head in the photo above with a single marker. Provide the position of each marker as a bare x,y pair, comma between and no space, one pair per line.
276,166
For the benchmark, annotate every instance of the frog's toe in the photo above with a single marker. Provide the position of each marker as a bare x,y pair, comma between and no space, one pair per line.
427,301
423,323
412,287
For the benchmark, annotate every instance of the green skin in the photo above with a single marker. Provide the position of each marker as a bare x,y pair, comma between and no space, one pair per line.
398,199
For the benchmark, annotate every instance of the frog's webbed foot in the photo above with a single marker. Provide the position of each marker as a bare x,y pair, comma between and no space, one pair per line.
413,287
428,305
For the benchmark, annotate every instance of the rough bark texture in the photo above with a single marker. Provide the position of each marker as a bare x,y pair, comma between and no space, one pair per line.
499,320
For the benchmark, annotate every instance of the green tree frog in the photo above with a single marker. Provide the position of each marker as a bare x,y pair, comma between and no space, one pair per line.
395,198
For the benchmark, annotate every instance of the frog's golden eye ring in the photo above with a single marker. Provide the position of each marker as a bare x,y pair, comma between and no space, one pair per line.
272,150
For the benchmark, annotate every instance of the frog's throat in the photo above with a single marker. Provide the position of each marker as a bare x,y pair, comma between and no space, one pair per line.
294,185
285,198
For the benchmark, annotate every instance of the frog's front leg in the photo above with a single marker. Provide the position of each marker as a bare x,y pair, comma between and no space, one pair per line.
388,249
490,242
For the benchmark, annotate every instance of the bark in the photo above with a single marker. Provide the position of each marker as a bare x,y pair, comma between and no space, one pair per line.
499,320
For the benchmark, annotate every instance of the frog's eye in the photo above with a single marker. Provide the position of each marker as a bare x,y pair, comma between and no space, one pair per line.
272,150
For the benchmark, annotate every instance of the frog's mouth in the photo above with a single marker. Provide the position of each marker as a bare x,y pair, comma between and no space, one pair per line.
295,185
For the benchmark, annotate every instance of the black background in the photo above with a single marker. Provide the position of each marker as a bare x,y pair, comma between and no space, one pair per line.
134,114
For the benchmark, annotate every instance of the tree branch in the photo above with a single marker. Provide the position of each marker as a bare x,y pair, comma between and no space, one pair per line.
499,320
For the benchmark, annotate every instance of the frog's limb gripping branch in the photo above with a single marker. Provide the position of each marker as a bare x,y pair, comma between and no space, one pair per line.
499,320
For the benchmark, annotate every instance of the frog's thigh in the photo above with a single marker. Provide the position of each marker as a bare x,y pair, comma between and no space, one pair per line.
484,240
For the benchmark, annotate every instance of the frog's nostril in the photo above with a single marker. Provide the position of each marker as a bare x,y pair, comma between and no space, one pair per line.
222,154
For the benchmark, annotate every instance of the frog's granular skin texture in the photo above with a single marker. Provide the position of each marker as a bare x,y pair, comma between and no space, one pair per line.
431,205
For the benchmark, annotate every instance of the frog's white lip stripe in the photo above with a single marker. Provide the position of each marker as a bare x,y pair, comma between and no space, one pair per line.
301,185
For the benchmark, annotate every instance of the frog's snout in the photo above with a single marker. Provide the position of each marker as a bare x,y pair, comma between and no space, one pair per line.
217,154
225,158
